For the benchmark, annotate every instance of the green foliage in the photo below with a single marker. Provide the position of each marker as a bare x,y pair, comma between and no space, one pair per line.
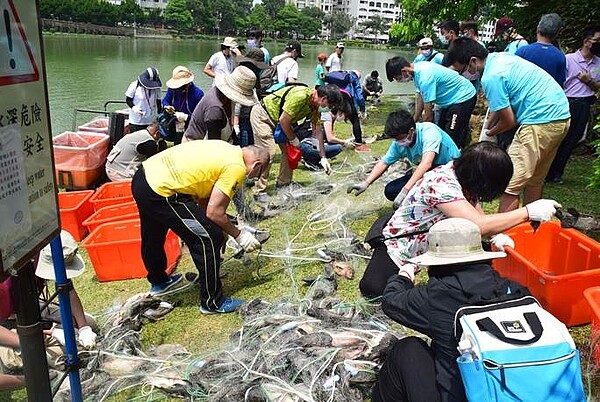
272,7
339,23
375,24
595,178
258,18
178,16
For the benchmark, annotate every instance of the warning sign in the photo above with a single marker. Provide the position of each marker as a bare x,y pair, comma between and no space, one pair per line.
17,63
28,207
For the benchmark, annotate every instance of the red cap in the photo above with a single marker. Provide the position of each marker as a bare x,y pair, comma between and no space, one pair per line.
502,25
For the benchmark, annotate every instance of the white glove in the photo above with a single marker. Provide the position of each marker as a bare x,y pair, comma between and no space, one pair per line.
501,240
236,128
295,142
358,187
247,240
542,210
138,110
181,116
59,335
400,197
326,165
87,337
363,115
484,136
408,270
349,143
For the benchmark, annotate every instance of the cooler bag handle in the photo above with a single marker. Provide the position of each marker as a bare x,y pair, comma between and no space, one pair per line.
486,324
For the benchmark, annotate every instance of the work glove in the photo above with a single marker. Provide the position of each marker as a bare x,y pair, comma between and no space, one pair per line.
349,143
87,337
358,187
236,128
409,270
363,115
247,240
59,335
181,116
295,142
400,197
169,109
326,165
484,136
137,110
501,240
542,210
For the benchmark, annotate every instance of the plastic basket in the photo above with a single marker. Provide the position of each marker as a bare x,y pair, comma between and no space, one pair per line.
592,295
113,193
79,158
115,251
74,208
112,213
98,125
557,265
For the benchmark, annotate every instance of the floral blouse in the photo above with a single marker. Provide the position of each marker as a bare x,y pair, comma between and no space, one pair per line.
419,212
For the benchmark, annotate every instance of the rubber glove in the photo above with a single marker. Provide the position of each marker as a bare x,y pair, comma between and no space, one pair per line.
169,109
358,187
181,116
400,197
59,335
295,142
138,110
349,143
326,165
501,240
247,240
542,210
87,337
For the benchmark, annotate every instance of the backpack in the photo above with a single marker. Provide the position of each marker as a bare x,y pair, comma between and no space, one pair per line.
431,56
166,126
515,350
340,78
268,78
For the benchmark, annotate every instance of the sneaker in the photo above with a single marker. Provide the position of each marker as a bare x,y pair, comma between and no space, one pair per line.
312,166
362,148
289,187
229,305
262,198
160,288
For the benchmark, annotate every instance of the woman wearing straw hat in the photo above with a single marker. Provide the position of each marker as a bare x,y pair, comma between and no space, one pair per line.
181,99
460,273
210,119
143,97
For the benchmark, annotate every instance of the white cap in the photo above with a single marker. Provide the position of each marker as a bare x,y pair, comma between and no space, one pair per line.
425,42
340,45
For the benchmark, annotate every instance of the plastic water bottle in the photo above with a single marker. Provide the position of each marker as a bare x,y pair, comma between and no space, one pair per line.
466,351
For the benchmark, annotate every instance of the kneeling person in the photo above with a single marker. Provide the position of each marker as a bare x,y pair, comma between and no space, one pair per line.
187,189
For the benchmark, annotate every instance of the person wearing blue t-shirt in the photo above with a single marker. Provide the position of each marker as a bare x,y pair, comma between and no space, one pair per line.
543,53
442,86
519,94
506,30
428,53
422,143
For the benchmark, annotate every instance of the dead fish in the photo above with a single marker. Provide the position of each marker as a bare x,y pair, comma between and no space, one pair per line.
172,386
134,306
154,314
117,367
346,338
314,340
167,350
343,269
571,218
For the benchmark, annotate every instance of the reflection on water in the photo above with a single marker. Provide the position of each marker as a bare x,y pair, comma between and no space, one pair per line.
84,72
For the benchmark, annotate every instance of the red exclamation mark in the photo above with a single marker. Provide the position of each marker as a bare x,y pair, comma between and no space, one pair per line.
12,62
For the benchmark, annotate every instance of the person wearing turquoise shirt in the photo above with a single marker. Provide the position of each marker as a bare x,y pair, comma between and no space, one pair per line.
428,53
524,95
320,69
441,86
424,144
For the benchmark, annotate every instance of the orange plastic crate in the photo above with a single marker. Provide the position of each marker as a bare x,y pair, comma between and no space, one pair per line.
98,125
557,265
112,213
74,208
79,158
592,295
115,251
113,193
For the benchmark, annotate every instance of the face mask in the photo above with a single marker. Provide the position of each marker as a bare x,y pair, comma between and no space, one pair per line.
404,142
406,77
426,52
252,43
471,76
444,40
595,49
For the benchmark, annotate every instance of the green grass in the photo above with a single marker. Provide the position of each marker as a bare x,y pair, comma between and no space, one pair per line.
274,279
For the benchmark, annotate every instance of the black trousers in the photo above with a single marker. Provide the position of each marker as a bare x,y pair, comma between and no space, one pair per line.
393,188
379,269
181,214
454,120
580,114
354,119
408,374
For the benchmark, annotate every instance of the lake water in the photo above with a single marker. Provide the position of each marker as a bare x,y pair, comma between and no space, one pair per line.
84,72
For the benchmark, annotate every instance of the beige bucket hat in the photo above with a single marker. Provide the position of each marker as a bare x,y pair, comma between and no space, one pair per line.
238,86
74,264
229,42
181,76
454,241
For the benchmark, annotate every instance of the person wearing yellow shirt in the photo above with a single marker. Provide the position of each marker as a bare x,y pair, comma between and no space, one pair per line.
187,189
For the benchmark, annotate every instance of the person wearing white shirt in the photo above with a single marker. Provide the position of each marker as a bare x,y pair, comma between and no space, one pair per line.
223,61
335,60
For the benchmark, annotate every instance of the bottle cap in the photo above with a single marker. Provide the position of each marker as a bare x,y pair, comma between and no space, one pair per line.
464,345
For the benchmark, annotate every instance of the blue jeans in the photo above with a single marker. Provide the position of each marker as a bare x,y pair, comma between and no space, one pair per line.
393,188
311,155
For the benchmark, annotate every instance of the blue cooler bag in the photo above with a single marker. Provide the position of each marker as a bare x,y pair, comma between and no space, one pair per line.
516,351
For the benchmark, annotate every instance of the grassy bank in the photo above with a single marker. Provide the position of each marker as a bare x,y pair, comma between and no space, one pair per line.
277,277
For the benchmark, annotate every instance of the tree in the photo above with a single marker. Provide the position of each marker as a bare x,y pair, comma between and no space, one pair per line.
259,19
375,24
311,22
178,16
272,7
339,23
288,20
203,14
129,11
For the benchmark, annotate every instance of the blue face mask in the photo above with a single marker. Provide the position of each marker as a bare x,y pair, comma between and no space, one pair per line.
252,43
426,52
444,40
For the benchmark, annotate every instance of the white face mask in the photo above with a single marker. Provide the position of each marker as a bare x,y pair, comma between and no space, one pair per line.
471,76
252,43
444,40
426,52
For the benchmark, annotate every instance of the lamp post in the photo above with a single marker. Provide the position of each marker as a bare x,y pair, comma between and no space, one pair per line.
218,18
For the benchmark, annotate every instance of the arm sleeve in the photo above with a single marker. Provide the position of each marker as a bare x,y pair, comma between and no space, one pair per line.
495,91
168,99
231,179
215,122
406,304
432,140
393,154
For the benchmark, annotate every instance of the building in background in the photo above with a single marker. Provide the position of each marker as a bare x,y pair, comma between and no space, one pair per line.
144,3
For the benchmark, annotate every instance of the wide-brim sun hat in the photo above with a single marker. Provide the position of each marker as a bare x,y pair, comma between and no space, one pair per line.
181,76
229,42
238,86
454,241
74,264
150,79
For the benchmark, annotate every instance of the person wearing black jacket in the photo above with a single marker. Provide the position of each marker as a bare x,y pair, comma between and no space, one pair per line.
460,274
